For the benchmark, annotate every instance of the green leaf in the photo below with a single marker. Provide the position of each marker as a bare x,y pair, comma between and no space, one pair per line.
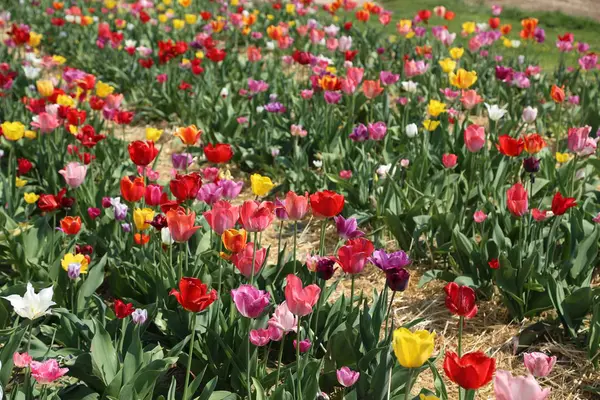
92,283
260,392
208,389
134,356
6,355
104,355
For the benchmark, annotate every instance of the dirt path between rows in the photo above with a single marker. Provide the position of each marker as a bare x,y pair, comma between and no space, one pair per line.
582,8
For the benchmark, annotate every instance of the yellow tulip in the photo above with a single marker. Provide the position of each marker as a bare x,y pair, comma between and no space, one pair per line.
110,4
562,157
20,182
456,52
435,108
463,79
80,259
178,24
103,89
167,2
60,60
261,185
447,65
290,8
153,134
184,3
431,125
64,100
413,349
191,18
235,3
31,198
423,397
30,134
35,39
507,43
45,87
142,217
13,131
468,27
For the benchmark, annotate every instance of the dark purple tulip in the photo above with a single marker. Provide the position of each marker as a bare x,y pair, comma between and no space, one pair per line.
159,221
504,74
181,161
531,165
360,133
325,268
397,279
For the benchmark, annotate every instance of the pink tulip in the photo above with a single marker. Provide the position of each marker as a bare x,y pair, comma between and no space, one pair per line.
256,216
388,78
508,387
296,206
250,301
275,334
223,216
74,174
539,364
579,141
21,360
354,255
181,225
470,99
153,194
300,301
479,216
260,337
243,260
348,86
474,137
346,377
45,122
93,212
304,345
47,372
449,160
372,89
283,319
355,75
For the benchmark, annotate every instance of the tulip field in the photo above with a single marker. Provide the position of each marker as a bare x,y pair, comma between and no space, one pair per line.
290,200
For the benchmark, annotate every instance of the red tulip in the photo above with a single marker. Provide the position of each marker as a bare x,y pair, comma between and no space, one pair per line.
142,152
494,263
561,204
167,204
141,239
193,295
471,371
219,153
185,187
509,146
70,225
256,216
123,310
516,200
326,204
449,160
354,255
23,166
460,300
424,15
51,202
181,224
132,189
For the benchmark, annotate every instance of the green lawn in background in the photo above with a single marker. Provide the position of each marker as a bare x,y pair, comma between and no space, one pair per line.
554,23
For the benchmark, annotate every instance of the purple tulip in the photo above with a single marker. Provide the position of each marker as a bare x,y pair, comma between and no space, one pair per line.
332,97
385,261
209,193
377,130
360,133
250,301
347,228
231,189
346,377
182,160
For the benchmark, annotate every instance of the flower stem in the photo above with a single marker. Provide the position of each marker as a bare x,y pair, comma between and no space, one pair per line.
298,369
295,234
189,361
248,372
279,244
253,260
387,316
322,239
460,333
122,338
279,359
408,384
352,294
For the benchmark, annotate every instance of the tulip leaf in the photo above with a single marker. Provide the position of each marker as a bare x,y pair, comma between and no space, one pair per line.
6,355
259,393
92,283
104,355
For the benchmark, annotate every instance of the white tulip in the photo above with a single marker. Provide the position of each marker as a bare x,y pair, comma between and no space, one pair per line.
318,163
32,305
412,130
165,236
409,86
384,170
495,112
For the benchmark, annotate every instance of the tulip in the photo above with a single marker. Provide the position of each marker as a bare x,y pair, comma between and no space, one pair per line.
460,300
413,349
509,146
234,240
181,224
181,161
185,187
153,134
45,122
346,377
411,130
231,189
245,259
495,113
579,141
326,204
139,316
165,236
304,345
377,130
153,194
508,387
93,212
222,216
561,204
142,218
21,360
256,216
123,310
471,371
347,228
188,135
474,138
193,295
132,190
371,89
300,301
435,108
70,225
142,152
260,337
283,319
529,114
531,165
397,279
74,174
250,301
533,143
77,262
391,261
470,99
261,185
13,131
219,153
325,268
479,216
539,364
516,200
354,255
32,305
449,160
557,94
296,206
119,209
463,79
46,372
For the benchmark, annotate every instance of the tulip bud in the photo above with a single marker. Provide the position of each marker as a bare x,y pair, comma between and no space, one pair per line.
74,270
325,268
412,130
126,227
304,345
531,165
529,114
139,316
165,236
397,279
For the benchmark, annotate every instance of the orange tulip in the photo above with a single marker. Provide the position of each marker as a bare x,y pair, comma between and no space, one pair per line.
181,224
534,143
557,94
70,225
132,189
234,240
188,135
